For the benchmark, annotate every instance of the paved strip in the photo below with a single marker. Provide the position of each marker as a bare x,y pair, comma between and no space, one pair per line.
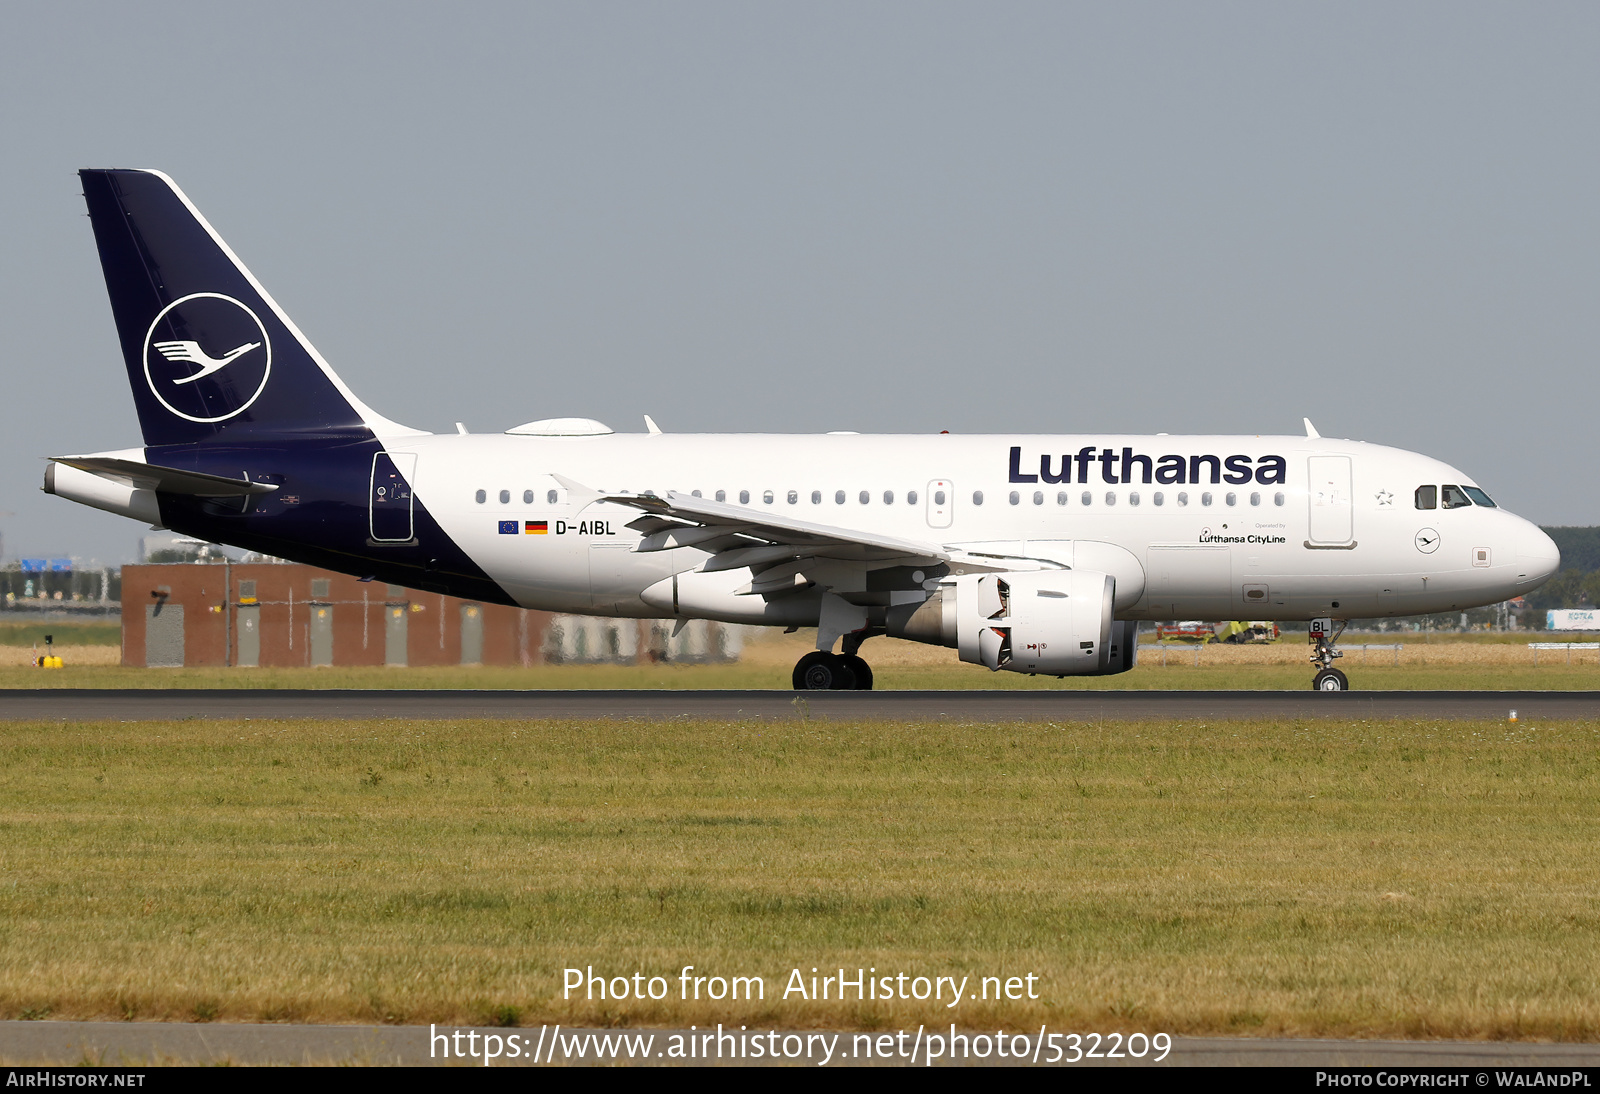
965,706
124,1044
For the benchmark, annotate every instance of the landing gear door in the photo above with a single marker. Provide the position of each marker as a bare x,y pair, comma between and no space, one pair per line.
941,503
1331,510
389,499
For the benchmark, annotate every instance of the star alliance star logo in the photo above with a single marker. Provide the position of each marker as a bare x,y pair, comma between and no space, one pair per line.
1385,498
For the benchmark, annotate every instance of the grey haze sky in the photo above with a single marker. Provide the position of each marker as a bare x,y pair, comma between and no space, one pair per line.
898,217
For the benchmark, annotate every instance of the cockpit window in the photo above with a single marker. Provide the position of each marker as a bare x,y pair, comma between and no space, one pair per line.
1454,497
1427,497
1479,496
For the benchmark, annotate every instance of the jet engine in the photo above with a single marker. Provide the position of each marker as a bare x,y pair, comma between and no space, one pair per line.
1055,622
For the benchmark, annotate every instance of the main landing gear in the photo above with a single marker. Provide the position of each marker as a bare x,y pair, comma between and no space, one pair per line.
1323,636
821,670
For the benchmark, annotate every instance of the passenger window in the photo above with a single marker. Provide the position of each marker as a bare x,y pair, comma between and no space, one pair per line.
816,497
1231,498
1015,497
888,497
1111,499
696,493
480,497
744,497
527,497
1133,498
1479,496
1158,498
838,497
1087,499
505,497
865,496
722,495
1061,497
1277,498
1038,497
1454,497
766,498
550,497
977,497
1255,498
1427,497
911,497
794,497
1205,498
938,497
1183,497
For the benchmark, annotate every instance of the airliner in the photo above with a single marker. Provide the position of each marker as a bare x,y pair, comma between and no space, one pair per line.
1037,554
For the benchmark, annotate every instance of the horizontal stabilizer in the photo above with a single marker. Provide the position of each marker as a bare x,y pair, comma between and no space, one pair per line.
167,480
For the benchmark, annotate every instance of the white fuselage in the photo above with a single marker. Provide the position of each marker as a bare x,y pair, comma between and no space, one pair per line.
1340,535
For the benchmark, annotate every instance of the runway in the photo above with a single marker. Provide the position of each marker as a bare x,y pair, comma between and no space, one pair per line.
125,1044
86,704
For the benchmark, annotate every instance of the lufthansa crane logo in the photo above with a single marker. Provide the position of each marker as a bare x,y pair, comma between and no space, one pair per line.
207,357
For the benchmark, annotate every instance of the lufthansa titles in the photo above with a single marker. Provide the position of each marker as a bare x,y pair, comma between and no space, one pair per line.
1127,466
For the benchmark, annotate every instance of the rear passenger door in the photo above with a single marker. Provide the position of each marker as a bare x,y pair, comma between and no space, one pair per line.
389,499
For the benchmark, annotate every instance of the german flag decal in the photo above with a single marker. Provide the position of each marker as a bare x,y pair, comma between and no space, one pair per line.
538,527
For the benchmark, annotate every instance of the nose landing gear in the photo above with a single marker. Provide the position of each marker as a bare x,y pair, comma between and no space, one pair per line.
1327,678
1330,680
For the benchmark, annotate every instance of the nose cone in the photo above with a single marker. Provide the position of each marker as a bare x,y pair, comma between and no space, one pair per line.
1538,557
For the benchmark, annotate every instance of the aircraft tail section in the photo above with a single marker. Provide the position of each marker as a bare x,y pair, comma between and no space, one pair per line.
210,355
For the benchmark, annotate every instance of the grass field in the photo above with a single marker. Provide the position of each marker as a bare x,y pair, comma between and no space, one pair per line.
66,634
1464,663
1372,878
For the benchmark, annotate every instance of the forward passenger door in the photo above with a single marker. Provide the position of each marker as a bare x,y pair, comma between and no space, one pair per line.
1332,515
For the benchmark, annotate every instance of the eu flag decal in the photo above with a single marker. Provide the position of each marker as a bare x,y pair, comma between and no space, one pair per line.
508,528
538,527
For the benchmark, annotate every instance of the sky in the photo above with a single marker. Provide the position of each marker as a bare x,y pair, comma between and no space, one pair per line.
885,217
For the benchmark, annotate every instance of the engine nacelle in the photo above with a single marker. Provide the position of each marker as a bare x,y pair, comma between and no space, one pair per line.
1055,622
1124,646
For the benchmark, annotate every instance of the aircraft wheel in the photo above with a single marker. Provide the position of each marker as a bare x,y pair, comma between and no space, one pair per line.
1330,680
860,670
822,671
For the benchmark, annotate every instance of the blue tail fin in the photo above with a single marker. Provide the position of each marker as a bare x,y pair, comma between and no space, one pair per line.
210,355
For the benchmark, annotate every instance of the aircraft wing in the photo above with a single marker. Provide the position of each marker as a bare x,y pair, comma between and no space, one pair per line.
778,549
170,480
706,521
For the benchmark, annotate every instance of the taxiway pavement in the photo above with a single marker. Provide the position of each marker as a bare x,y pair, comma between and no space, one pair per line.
963,706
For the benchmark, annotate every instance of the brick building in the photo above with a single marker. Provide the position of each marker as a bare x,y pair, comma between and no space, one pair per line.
285,614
